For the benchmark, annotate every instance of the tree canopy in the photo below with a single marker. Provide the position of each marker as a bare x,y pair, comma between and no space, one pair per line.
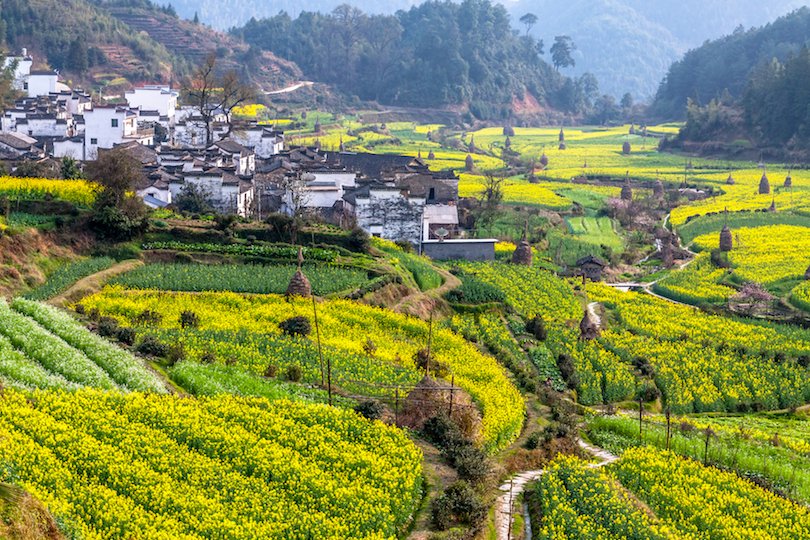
435,54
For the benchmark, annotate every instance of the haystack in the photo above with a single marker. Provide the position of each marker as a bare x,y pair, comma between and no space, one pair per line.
523,254
588,327
299,284
726,240
764,185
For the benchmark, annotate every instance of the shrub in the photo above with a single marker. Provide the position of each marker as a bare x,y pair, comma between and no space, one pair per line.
533,441
208,357
470,462
370,409
369,347
148,317
296,326
294,373
720,259
537,327
271,371
189,319
107,327
459,504
441,431
152,346
126,335
176,353
359,240
567,370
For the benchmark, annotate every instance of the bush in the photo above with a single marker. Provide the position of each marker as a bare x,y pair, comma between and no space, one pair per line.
294,373
537,328
720,259
271,371
441,431
208,358
176,353
359,240
296,326
152,346
107,327
470,462
148,317
189,319
533,441
370,409
126,335
567,370
458,505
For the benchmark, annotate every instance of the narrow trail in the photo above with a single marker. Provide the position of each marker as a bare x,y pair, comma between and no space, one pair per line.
504,506
291,88
410,304
92,283
595,314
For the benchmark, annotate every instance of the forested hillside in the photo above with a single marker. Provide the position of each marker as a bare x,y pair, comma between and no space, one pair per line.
707,72
653,33
97,42
437,54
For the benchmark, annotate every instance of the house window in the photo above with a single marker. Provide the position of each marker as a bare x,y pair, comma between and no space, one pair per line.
93,141
115,122
432,194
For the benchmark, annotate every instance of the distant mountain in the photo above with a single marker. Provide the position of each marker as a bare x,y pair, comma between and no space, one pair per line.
727,63
630,44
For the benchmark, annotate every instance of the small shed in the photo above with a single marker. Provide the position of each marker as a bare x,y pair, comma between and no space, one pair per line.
591,267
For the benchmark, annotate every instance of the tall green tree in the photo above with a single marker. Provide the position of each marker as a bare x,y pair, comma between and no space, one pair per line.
561,52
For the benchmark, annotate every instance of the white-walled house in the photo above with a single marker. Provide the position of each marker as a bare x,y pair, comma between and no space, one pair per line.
264,141
321,189
42,83
22,70
227,192
389,212
242,158
72,147
48,125
154,98
104,127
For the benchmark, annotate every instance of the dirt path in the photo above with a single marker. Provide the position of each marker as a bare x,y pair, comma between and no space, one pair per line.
92,283
414,304
517,485
291,88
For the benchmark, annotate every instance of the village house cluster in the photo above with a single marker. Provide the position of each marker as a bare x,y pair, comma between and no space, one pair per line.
246,169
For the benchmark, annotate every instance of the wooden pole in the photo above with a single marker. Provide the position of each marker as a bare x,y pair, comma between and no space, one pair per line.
429,343
320,351
452,387
511,505
706,448
396,407
669,425
640,415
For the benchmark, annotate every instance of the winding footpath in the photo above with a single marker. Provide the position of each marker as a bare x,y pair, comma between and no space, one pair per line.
504,506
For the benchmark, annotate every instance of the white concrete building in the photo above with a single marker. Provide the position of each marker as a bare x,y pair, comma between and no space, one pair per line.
321,190
154,98
72,147
227,192
104,127
22,70
264,141
42,83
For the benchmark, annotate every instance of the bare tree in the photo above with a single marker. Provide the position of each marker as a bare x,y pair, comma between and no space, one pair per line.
297,197
211,93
